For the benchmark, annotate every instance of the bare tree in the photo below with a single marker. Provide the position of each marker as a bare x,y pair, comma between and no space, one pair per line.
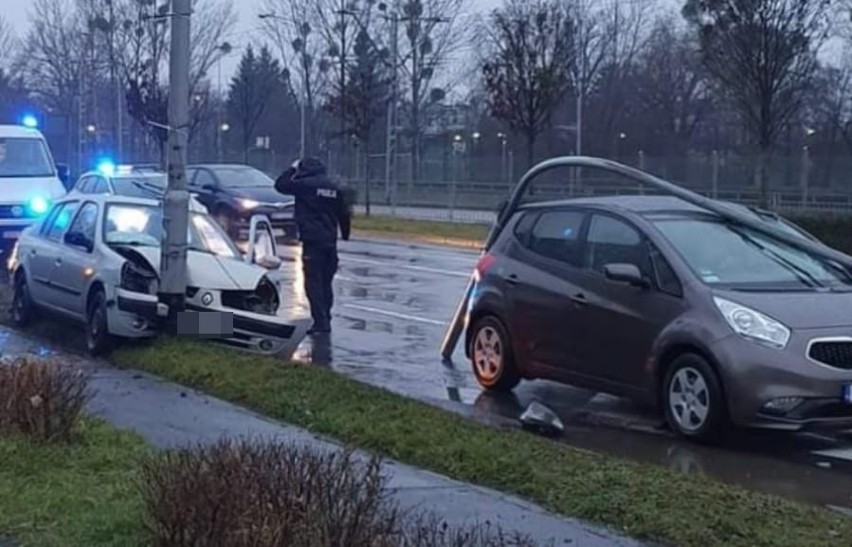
763,55
527,72
433,31
673,93
7,42
144,60
292,26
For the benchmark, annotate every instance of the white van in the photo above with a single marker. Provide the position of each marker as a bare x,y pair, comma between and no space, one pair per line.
29,180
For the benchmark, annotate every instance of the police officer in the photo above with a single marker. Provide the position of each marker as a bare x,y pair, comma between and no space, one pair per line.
320,211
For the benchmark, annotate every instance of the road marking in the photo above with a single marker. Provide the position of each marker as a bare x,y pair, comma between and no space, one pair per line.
836,453
409,267
395,314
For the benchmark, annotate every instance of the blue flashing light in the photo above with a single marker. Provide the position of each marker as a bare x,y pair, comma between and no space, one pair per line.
38,205
106,168
29,121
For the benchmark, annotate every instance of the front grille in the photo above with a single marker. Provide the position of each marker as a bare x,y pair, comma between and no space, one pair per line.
834,354
15,211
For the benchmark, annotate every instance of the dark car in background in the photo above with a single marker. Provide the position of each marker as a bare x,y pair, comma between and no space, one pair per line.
233,193
667,303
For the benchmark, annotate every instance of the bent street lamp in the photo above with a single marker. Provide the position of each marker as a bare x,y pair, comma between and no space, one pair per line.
508,209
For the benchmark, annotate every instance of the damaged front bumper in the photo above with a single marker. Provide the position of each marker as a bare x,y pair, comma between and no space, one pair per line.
134,314
140,315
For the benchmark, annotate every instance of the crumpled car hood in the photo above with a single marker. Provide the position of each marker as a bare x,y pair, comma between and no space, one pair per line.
210,271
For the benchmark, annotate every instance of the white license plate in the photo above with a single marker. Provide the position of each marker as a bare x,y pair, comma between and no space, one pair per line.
11,235
847,393
282,216
278,232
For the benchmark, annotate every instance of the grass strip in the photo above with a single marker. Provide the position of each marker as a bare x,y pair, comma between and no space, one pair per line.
453,234
76,494
641,500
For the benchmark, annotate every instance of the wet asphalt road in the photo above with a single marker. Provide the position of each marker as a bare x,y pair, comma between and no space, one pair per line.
393,302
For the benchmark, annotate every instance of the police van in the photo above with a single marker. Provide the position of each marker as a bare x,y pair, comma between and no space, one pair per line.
29,180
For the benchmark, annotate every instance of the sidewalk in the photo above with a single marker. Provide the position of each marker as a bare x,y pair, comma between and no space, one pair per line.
169,416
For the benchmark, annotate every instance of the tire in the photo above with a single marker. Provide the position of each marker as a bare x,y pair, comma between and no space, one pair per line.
23,308
491,356
99,342
693,399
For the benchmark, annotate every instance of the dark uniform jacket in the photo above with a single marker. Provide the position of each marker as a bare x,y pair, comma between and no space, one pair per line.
320,205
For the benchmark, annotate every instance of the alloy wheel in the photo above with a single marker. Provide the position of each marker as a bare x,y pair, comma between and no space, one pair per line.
689,399
488,353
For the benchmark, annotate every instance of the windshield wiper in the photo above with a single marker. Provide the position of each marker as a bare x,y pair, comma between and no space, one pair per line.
806,277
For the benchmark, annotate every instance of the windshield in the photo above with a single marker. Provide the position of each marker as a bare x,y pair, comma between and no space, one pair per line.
24,157
243,177
140,186
142,225
735,257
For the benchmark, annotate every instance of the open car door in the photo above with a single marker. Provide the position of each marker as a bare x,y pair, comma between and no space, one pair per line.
262,248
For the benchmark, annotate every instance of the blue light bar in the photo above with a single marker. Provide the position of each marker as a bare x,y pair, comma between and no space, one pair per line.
106,168
29,121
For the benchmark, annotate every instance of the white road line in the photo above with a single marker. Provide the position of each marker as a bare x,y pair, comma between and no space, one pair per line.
836,453
395,314
408,267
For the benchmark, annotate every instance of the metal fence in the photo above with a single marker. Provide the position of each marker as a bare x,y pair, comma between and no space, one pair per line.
798,185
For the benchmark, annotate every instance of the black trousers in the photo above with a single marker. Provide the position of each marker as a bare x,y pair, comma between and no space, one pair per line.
319,265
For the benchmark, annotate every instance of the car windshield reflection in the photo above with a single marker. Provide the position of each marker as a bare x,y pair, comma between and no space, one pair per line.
142,225
727,256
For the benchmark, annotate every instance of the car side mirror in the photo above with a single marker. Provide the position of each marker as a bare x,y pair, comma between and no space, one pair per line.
77,239
625,273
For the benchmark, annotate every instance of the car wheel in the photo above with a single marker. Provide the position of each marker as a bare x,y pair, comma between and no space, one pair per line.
98,339
491,356
693,399
23,307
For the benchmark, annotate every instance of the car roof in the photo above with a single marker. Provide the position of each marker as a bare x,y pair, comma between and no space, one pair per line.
643,205
19,131
125,174
106,199
221,165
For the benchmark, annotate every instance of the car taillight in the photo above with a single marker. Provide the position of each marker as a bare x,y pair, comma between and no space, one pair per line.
483,265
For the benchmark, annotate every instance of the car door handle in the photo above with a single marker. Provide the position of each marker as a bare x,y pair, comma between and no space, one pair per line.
32,251
579,298
512,279
58,261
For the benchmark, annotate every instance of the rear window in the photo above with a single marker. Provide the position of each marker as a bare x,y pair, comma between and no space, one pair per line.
556,235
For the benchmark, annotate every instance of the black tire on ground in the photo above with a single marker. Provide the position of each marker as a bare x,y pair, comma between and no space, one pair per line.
98,339
693,399
23,308
491,355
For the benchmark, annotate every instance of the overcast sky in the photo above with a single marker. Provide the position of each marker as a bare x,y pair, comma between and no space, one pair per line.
16,13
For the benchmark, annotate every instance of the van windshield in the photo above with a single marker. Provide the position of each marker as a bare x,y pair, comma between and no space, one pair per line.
24,157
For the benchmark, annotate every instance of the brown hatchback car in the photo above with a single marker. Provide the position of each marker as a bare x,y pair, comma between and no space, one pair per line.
664,302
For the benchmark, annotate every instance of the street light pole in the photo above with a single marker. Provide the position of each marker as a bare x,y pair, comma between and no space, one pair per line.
390,140
173,270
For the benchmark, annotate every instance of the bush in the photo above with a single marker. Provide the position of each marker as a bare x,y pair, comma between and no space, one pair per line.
255,494
833,230
41,398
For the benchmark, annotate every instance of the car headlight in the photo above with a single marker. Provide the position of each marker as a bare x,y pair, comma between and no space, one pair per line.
752,324
38,205
248,203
